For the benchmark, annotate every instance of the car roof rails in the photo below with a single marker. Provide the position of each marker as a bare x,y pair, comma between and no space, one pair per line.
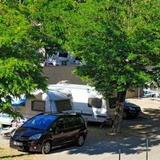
70,113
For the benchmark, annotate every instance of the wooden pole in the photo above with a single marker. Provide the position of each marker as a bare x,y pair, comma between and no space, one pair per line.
147,148
119,154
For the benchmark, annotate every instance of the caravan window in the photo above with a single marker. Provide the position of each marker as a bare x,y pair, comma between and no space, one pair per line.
38,105
95,102
63,105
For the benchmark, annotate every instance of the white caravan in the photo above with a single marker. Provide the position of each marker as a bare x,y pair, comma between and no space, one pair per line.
86,101
51,101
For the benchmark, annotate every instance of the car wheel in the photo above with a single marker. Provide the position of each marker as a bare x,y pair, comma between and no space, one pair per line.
80,140
46,147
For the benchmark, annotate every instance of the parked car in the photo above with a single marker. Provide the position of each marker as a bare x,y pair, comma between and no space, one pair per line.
150,93
6,130
46,131
131,110
5,120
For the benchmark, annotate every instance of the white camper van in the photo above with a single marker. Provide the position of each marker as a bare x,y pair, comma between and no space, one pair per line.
86,101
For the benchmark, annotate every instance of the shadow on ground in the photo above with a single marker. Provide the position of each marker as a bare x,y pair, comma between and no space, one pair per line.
132,139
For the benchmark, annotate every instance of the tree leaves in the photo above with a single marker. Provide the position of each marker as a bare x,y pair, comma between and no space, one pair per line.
117,41
20,71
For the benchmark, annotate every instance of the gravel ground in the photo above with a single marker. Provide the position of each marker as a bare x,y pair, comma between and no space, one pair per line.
101,145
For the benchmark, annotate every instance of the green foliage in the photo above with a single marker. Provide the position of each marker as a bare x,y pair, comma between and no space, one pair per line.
20,70
118,41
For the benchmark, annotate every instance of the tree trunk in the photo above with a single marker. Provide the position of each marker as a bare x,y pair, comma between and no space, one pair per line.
118,115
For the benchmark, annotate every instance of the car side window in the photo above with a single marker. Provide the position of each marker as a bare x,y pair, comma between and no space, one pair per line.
68,125
59,126
75,122
53,127
71,122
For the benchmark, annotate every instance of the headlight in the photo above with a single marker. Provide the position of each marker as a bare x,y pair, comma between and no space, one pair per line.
35,137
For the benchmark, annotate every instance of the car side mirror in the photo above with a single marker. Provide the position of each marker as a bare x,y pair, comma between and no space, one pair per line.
51,130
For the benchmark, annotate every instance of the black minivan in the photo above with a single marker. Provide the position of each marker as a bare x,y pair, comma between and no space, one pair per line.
46,131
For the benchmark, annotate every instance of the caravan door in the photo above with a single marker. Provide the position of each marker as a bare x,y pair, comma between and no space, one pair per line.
89,104
80,103
99,109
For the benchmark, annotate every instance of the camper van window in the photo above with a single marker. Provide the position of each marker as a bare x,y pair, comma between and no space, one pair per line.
95,102
63,105
38,105
69,122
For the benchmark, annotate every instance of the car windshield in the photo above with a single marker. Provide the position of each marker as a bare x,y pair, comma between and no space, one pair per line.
40,122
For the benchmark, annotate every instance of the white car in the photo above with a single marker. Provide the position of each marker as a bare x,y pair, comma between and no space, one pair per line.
5,119
150,93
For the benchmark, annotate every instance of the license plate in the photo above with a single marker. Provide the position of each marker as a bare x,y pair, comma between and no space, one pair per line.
17,143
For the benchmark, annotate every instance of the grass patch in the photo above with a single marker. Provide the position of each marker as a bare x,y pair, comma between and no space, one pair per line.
12,154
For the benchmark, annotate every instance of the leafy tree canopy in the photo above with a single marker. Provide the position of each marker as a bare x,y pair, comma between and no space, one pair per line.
119,42
20,71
